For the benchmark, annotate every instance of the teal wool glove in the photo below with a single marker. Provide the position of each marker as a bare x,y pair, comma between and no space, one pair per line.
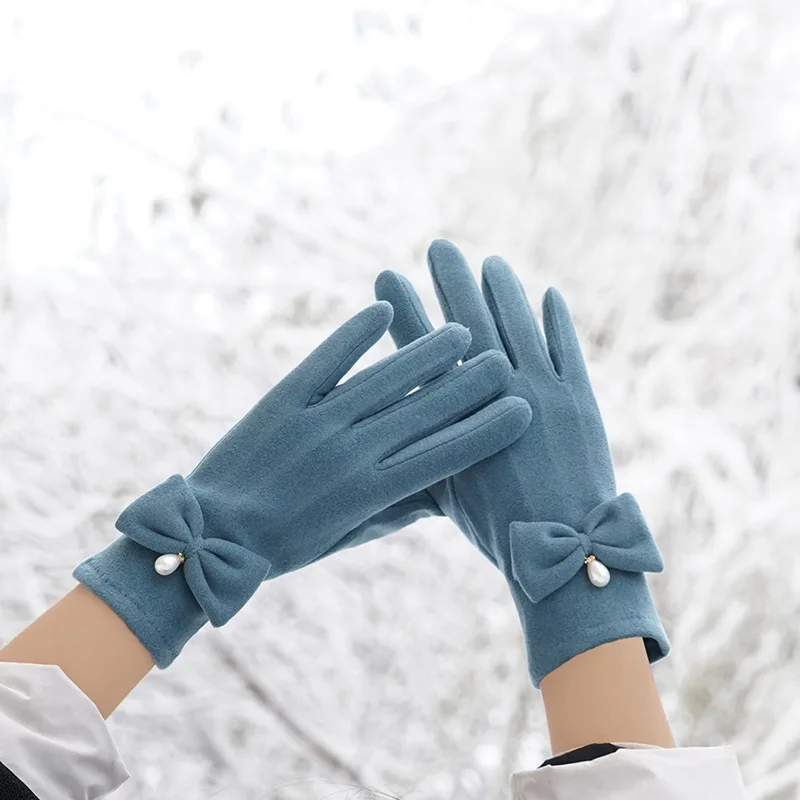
301,475
545,510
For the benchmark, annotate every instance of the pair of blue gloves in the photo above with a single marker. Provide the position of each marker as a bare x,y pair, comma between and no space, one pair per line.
502,435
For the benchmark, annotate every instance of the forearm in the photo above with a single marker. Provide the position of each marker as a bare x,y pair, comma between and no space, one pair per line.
90,643
606,694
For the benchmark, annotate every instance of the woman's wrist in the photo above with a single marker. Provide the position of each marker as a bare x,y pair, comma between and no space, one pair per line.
91,644
606,694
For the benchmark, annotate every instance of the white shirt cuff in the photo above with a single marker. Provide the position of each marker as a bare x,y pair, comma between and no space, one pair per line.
53,738
681,773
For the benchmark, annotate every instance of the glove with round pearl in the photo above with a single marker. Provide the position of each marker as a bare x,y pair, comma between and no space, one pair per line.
545,510
314,467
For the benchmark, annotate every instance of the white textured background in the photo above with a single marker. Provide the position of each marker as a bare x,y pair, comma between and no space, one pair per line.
193,194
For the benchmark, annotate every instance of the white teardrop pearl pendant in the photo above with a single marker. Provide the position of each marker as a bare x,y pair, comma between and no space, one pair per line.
168,563
598,572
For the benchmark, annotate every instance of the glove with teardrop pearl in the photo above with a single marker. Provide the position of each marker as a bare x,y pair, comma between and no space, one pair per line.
545,510
315,466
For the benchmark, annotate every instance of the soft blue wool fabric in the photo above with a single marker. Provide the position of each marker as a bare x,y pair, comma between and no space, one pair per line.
312,468
543,505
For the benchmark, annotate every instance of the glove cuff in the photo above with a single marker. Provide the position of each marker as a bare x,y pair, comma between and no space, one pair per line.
576,589
160,610
165,578
575,619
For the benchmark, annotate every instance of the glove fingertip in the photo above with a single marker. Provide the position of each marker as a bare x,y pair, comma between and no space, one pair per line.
556,321
459,335
446,263
498,367
493,264
513,416
386,285
410,321
554,300
382,312
440,249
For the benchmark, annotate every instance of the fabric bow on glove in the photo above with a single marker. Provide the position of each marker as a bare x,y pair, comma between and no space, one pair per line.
545,510
546,555
312,468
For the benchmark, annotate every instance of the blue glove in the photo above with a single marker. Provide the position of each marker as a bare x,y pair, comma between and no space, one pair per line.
299,474
545,510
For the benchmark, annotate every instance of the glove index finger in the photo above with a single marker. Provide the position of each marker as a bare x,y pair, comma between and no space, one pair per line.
460,298
333,359
514,317
459,445
410,321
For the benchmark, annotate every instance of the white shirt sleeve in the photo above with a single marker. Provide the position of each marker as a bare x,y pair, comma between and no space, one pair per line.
681,773
53,738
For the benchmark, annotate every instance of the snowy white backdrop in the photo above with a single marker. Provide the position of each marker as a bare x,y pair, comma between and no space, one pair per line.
192,195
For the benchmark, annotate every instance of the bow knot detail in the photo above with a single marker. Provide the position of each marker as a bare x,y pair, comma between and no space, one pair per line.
221,574
546,555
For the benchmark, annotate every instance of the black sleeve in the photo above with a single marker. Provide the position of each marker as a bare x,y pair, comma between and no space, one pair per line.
12,788
588,752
